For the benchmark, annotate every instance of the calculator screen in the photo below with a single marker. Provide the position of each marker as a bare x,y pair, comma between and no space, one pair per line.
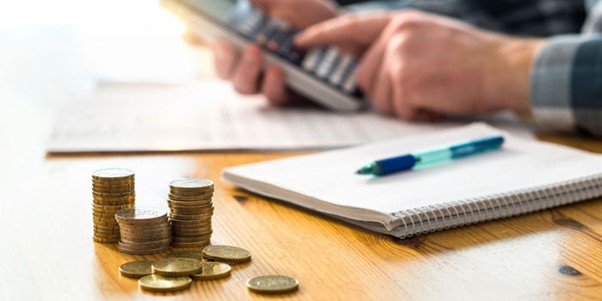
219,10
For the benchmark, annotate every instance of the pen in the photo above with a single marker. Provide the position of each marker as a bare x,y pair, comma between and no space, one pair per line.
431,156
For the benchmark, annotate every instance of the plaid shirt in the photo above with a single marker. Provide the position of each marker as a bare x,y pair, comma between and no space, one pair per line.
566,77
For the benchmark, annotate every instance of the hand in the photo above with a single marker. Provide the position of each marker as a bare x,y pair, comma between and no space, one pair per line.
245,70
420,66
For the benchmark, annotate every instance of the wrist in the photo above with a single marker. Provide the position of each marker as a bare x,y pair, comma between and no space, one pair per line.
515,57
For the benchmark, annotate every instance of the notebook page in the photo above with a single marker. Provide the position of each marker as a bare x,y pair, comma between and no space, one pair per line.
329,177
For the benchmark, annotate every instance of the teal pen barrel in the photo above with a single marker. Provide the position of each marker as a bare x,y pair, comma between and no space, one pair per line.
476,146
429,157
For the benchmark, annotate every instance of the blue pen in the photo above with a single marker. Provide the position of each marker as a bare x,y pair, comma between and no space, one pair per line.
432,156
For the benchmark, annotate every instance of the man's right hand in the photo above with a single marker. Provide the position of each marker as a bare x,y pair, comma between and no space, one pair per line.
245,68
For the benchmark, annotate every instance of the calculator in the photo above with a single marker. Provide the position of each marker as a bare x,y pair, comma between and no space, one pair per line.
323,75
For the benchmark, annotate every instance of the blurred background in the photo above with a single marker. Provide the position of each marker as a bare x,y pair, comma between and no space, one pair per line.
56,52
58,49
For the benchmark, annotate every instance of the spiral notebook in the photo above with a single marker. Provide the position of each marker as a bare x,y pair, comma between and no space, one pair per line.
524,176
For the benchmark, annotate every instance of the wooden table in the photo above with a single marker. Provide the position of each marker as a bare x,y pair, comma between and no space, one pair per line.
47,250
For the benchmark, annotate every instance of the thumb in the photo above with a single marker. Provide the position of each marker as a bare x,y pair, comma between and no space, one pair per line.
361,30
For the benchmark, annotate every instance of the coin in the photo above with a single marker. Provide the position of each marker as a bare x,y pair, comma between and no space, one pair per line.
227,253
158,283
177,267
273,284
113,174
213,270
125,250
136,269
190,240
105,240
190,204
147,245
191,200
194,245
140,214
191,184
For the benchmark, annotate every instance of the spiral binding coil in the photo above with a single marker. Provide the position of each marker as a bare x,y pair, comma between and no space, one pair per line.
465,212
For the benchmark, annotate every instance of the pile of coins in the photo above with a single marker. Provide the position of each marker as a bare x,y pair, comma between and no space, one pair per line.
191,209
177,271
112,190
174,273
143,230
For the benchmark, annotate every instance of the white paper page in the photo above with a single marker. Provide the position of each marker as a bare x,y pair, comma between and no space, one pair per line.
210,116
329,177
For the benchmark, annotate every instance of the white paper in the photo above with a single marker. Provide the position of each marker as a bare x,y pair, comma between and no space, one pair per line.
210,116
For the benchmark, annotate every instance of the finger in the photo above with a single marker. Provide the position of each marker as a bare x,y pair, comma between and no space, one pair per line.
402,107
273,87
381,92
225,58
369,66
248,71
361,30
428,116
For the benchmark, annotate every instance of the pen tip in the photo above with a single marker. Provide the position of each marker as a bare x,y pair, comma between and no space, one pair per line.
362,171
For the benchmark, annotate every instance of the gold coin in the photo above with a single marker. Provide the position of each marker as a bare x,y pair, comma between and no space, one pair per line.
213,270
140,215
193,245
177,267
203,204
126,250
113,174
136,269
105,240
193,255
158,283
191,184
273,284
227,253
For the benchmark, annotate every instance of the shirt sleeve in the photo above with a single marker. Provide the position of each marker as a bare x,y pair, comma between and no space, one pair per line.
566,80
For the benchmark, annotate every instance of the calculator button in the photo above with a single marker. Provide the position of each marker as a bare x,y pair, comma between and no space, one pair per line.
295,56
336,78
349,85
312,59
328,63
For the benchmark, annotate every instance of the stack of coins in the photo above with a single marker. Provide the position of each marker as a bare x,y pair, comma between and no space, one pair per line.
190,213
143,230
112,190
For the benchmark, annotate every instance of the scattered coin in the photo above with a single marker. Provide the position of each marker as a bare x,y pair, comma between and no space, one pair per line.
136,269
177,267
158,283
112,190
213,270
228,254
143,230
191,208
273,284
